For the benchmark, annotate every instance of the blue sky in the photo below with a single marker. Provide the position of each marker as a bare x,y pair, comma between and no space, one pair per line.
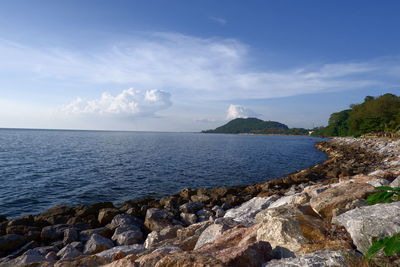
191,65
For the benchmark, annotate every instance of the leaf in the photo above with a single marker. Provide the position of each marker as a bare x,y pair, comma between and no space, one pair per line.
375,248
384,188
381,197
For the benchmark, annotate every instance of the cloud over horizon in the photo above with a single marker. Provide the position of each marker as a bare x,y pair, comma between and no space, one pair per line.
128,103
238,111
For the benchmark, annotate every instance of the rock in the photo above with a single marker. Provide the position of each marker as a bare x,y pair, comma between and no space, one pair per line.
68,252
77,245
219,212
103,231
378,182
246,212
89,261
55,215
24,248
299,198
124,220
53,232
211,233
191,207
70,235
314,190
189,260
131,249
97,244
158,236
204,215
396,182
51,256
188,218
377,221
87,210
333,201
186,193
157,219
45,250
330,258
106,215
202,198
238,247
27,259
127,235
295,228
25,220
11,242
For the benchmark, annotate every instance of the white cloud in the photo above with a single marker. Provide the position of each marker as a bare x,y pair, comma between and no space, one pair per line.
237,111
129,102
219,20
207,68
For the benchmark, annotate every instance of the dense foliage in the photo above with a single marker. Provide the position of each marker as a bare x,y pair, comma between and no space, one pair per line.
256,126
374,115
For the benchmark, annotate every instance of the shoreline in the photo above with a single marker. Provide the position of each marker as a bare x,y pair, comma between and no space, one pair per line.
347,157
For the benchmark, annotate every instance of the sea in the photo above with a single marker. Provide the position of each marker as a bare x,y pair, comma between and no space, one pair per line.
43,168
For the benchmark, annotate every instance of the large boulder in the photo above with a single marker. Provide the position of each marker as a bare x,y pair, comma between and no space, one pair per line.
124,220
211,233
246,212
68,252
88,261
29,258
55,215
238,247
294,229
53,232
103,231
127,235
106,215
11,242
157,219
299,198
97,244
191,207
338,258
365,223
336,200
120,250
156,237
70,235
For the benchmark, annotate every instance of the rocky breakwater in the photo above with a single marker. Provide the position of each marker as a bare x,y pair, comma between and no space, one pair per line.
315,217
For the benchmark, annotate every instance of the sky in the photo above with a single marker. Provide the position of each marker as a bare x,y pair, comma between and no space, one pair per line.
191,65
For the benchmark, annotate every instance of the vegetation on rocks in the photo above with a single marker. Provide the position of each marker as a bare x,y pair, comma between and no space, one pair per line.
375,115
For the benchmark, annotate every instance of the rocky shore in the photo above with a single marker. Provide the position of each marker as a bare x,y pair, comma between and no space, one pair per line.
315,217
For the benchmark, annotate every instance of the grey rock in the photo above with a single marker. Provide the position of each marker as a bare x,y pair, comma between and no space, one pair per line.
211,233
396,182
188,218
44,250
24,248
299,198
131,249
191,207
77,245
11,242
97,244
70,235
124,220
325,258
27,258
246,212
51,256
167,249
157,219
157,236
378,221
127,235
53,232
68,252
378,182
103,231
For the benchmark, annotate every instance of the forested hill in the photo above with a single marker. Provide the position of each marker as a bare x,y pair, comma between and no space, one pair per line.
256,126
379,115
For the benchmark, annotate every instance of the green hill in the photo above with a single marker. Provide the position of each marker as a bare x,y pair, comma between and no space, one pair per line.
374,115
256,126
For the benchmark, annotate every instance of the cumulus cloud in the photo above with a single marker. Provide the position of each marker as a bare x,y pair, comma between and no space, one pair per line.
238,111
129,102
209,68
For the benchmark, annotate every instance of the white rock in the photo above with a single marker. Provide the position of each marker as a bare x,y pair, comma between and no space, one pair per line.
68,252
96,244
380,220
396,182
300,198
132,249
210,234
246,212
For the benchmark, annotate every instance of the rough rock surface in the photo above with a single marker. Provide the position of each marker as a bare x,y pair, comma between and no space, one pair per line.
127,235
11,242
109,253
68,252
339,258
157,219
96,244
294,228
333,201
246,212
210,234
380,220
299,198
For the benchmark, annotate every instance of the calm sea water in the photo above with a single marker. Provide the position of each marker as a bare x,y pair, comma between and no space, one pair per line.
43,168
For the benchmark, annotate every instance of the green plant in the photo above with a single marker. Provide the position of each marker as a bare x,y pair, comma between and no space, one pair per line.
390,245
388,194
